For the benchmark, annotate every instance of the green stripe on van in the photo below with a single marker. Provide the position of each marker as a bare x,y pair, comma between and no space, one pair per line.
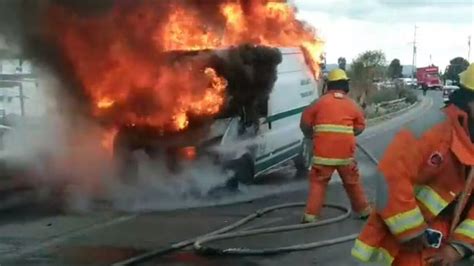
277,150
285,114
277,159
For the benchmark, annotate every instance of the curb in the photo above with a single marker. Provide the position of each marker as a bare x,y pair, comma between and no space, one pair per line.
371,121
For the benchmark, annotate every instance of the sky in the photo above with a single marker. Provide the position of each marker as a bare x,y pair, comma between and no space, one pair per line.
350,27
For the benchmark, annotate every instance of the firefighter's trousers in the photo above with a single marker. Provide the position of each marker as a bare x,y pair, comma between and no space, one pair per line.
319,178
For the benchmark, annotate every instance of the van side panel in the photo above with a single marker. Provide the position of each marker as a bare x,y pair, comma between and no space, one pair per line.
291,62
295,86
293,91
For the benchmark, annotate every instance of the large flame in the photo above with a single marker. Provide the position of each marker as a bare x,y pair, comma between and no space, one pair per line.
267,23
118,56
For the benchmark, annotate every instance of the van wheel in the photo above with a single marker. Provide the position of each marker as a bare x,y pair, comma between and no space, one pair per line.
301,165
303,160
243,171
124,156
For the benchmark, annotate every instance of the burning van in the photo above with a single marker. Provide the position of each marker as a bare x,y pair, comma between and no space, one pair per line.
182,79
256,129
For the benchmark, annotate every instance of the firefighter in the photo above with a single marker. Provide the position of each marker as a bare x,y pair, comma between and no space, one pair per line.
332,122
422,176
425,89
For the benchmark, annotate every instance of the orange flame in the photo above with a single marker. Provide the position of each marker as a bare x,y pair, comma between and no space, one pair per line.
119,56
105,103
108,139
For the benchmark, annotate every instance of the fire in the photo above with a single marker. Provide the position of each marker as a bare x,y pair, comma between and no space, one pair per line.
207,104
120,56
235,20
270,23
180,121
105,103
108,139
214,96
184,31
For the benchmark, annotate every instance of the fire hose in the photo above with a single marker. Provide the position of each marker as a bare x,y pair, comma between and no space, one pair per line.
224,233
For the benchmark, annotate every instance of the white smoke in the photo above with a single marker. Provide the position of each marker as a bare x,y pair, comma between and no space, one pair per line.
52,152
62,157
66,155
158,188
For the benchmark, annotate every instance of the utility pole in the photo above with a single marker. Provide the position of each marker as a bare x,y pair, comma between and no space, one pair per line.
414,55
469,48
20,84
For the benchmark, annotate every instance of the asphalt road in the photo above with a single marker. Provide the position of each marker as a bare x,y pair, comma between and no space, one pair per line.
36,235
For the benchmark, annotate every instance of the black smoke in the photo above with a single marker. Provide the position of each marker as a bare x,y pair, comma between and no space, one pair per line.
251,72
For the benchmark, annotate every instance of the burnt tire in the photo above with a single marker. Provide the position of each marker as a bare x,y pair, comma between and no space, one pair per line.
243,171
127,164
240,174
303,160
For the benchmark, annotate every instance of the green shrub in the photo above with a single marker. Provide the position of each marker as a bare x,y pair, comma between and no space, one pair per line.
410,95
390,94
383,95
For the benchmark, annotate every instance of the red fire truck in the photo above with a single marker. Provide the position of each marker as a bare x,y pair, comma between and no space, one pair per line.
428,77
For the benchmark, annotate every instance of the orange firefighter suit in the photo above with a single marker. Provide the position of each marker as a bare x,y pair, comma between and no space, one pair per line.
334,119
423,175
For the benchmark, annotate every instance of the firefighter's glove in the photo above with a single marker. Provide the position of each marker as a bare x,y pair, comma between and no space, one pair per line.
416,244
446,256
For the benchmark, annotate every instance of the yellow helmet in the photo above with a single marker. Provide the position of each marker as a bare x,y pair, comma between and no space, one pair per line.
466,78
337,74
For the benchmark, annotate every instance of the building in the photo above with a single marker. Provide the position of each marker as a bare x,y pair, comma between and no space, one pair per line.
20,94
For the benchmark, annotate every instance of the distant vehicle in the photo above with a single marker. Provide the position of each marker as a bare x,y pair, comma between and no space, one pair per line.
447,90
428,78
278,140
449,82
388,85
407,82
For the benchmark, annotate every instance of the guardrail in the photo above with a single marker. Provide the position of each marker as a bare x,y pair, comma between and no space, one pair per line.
392,102
385,106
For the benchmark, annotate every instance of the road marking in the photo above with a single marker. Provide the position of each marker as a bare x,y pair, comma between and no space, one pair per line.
61,238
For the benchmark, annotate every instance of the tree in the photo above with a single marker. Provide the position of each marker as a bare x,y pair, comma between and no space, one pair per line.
368,66
395,69
365,69
342,63
456,66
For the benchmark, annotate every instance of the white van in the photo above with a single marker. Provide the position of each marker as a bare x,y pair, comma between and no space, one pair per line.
279,139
